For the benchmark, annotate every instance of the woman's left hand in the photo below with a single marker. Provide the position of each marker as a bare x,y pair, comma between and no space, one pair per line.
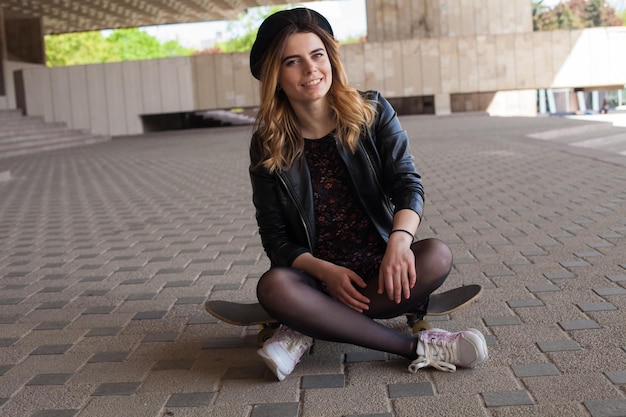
397,274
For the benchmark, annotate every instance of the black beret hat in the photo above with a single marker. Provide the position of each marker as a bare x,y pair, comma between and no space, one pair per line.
277,22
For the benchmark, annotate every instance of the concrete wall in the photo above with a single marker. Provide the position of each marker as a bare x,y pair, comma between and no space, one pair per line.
461,72
391,20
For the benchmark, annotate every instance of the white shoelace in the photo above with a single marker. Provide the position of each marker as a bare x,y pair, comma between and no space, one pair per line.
294,342
436,355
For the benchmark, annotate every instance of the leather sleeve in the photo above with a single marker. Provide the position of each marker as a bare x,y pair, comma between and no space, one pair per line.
400,179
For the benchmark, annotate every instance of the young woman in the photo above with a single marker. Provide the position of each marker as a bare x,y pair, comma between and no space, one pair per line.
338,201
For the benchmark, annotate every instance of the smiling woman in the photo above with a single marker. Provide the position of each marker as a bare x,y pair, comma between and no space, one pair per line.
333,180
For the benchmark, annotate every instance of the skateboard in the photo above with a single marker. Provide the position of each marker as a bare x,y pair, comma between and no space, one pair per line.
253,314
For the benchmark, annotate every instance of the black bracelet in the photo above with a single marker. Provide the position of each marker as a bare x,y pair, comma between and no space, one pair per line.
403,230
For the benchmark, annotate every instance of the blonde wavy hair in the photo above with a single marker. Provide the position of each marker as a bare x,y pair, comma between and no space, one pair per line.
277,128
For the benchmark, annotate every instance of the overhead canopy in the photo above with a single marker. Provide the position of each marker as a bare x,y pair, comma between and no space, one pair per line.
63,16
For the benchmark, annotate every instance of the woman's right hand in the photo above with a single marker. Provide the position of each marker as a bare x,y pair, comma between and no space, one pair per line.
340,283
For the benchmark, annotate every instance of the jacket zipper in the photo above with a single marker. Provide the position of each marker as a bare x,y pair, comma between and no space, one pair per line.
299,208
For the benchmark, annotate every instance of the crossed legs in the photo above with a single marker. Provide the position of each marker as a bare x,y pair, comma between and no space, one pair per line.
297,301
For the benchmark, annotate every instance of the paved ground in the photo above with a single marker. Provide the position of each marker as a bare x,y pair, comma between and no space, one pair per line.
107,253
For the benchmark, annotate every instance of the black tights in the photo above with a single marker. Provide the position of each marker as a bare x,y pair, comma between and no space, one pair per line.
297,301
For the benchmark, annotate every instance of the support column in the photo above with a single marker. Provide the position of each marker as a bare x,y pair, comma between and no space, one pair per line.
442,104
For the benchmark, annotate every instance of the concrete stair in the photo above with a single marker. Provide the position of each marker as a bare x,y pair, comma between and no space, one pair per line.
22,135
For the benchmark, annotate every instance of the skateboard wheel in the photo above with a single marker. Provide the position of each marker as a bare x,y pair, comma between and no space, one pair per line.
419,326
264,335
266,332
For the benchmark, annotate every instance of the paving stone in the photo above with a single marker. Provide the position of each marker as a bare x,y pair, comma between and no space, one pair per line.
52,325
370,415
276,410
532,302
94,293
206,319
600,245
213,272
226,287
173,364
8,342
170,271
569,325
417,389
178,284
116,388
51,350
141,296
588,254
606,408
507,398
50,379
603,292
93,279
558,346
499,273
574,264
617,278
53,277
99,310
323,381
249,372
190,399
534,370
160,337
190,300
150,315
128,269
365,356
5,368
543,288
56,413
617,377
560,275
502,321
587,307
49,290
10,301
55,305
109,357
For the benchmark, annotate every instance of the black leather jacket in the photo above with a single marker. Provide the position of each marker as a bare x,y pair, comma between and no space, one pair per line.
382,172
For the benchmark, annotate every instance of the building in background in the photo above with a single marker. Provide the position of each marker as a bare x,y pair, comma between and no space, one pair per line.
426,56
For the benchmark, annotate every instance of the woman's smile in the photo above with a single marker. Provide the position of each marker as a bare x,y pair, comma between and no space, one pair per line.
305,73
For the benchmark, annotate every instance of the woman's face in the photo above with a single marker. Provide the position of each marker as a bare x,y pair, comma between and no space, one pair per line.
305,72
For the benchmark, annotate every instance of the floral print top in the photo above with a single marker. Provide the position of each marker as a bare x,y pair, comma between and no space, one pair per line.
345,234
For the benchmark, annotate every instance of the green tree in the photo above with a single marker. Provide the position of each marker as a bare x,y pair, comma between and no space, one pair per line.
243,31
120,45
76,49
574,14
539,12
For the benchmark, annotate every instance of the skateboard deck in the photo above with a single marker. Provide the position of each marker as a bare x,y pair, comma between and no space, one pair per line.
250,314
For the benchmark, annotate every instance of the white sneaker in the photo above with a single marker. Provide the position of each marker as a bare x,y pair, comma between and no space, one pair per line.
283,351
445,350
